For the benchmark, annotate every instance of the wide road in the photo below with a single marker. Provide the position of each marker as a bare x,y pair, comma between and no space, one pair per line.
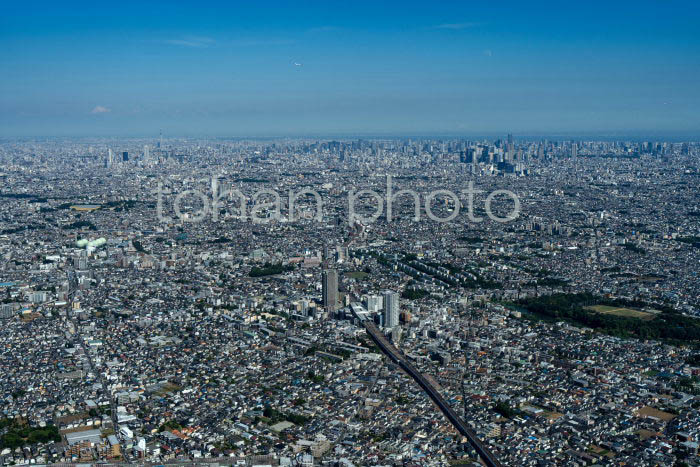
103,382
397,357
72,281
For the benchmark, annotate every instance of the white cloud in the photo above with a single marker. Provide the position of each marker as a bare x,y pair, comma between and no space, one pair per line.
456,26
191,41
99,109
258,42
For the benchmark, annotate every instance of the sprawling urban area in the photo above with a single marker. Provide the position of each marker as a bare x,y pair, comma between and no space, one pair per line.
394,302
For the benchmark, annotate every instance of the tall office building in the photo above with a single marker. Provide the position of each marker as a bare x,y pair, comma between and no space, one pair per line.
125,156
304,308
146,153
391,309
330,289
510,149
374,303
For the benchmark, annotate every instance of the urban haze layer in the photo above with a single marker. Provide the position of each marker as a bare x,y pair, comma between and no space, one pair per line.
283,302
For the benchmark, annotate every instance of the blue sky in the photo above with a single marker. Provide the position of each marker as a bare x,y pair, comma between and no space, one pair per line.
230,69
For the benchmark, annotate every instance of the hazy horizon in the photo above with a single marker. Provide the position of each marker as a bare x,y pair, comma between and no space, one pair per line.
401,69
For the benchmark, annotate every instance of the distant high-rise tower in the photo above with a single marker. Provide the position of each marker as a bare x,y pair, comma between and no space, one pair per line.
391,309
125,156
146,153
110,158
330,289
574,150
160,142
510,149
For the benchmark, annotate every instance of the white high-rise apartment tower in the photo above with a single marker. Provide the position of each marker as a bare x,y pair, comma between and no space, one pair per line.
391,309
